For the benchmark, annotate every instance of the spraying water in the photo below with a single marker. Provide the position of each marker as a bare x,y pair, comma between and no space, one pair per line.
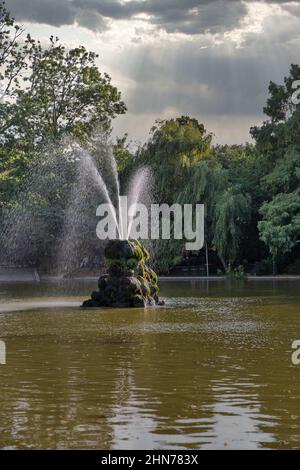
138,192
56,205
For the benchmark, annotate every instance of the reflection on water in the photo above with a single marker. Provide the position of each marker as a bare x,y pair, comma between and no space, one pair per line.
211,369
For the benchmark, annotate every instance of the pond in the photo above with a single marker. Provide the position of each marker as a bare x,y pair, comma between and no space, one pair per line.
210,370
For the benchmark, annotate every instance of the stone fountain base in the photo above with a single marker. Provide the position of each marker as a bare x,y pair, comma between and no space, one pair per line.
129,282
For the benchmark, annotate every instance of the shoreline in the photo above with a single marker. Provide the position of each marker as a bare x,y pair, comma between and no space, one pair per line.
282,277
162,279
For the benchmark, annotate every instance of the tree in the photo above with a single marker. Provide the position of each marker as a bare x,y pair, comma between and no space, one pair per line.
227,207
271,138
285,177
175,146
65,93
14,55
278,139
124,155
280,104
280,227
172,153
231,212
11,54
62,92
49,93
188,170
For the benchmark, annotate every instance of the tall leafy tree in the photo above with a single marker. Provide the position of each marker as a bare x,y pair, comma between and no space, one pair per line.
64,92
49,92
271,138
279,141
14,52
11,57
280,226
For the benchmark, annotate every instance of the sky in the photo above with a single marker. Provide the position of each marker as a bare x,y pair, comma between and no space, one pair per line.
210,59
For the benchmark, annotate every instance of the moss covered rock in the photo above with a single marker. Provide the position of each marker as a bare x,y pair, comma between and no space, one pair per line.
129,282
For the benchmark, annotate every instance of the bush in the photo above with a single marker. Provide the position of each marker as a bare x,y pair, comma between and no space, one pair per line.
263,267
294,268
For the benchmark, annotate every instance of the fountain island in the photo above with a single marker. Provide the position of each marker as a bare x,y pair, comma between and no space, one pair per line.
129,282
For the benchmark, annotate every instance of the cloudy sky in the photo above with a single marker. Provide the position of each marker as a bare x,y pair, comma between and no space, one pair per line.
211,59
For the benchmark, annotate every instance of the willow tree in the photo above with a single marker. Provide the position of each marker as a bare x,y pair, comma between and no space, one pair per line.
227,208
231,214
174,147
173,151
188,170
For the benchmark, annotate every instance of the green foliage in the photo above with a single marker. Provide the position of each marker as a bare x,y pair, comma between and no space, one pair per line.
263,267
285,176
165,254
45,94
188,170
64,92
124,156
282,128
127,284
280,227
175,146
279,104
182,141
232,211
14,163
236,274
12,55
279,139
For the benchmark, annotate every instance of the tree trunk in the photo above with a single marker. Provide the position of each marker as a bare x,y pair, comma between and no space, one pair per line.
223,262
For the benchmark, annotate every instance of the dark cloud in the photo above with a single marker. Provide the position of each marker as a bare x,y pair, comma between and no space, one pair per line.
214,17
184,16
220,84
214,80
226,88
56,13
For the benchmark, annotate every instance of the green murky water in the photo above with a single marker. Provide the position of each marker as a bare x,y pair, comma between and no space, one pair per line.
211,370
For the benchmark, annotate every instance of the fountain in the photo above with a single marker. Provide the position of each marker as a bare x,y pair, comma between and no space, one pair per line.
76,180
129,282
